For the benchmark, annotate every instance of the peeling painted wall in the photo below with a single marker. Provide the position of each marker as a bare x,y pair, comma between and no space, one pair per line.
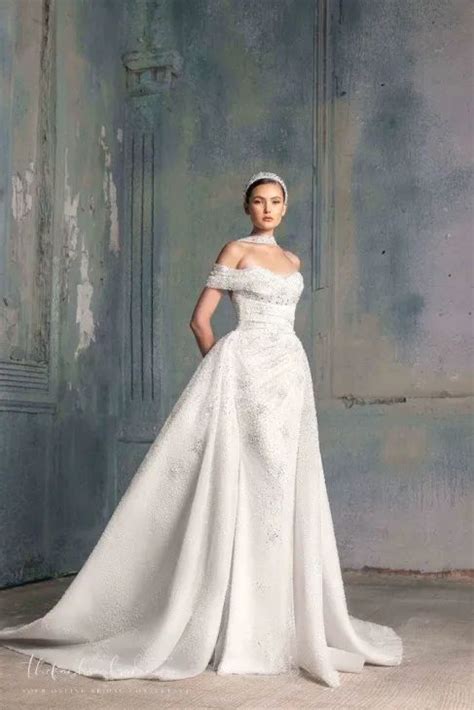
90,113
404,180
20,319
401,473
60,278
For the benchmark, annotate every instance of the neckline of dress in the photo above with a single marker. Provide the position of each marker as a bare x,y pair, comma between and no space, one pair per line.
259,239
262,268
264,239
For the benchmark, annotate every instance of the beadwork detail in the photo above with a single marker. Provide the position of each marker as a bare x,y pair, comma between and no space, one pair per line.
259,239
272,176
257,283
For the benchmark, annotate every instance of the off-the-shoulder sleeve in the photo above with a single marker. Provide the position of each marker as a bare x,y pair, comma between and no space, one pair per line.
224,277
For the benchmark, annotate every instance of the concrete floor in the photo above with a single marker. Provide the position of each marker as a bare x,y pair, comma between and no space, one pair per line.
433,617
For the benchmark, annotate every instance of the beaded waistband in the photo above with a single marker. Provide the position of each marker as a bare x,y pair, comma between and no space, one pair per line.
253,313
268,322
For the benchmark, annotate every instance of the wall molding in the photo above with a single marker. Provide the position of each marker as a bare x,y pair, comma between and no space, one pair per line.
322,246
28,405
322,148
150,71
140,373
23,375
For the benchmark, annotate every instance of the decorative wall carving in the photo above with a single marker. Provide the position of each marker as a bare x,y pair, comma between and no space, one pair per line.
323,169
149,73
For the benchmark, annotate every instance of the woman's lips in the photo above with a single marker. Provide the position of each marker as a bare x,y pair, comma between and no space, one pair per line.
268,219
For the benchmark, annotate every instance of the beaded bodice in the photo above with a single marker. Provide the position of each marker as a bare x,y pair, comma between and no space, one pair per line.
259,294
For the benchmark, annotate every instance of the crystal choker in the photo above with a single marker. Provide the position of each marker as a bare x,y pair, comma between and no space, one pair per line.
259,239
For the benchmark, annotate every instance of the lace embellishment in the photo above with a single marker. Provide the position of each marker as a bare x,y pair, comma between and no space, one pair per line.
257,283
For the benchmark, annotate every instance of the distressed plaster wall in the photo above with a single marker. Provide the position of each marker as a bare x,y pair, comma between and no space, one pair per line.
27,405
404,178
90,85
61,137
401,472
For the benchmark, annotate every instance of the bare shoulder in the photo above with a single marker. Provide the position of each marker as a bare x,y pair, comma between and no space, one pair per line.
293,258
230,254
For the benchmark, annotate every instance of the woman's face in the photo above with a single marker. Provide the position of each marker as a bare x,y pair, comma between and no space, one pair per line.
266,206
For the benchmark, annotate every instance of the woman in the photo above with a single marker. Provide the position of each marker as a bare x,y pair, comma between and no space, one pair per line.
221,553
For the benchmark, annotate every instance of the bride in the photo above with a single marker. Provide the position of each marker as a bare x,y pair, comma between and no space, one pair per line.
221,554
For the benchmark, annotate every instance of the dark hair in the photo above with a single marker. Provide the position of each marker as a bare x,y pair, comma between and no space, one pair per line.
262,181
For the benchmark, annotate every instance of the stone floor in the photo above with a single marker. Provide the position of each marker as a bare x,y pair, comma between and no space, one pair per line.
433,617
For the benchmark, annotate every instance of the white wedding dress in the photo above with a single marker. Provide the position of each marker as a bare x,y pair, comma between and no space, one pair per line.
221,553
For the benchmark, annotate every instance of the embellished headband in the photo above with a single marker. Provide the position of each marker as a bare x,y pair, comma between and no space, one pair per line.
271,176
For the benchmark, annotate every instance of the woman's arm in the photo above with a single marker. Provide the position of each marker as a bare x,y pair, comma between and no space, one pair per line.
200,322
208,301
